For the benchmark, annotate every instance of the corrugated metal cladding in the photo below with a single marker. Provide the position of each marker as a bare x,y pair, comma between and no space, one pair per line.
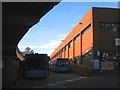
95,33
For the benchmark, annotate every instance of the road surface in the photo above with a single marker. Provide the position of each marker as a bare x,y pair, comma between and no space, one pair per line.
69,80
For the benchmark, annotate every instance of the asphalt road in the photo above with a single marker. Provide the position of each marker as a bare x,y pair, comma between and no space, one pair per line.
69,80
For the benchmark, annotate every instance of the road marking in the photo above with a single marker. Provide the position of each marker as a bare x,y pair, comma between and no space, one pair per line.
51,84
63,82
60,82
57,83
60,85
82,77
69,80
76,78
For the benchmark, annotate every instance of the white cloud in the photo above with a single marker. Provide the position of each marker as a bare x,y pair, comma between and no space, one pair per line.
44,48
47,48
61,36
51,44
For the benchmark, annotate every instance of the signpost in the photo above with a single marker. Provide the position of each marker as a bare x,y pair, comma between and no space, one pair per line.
96,64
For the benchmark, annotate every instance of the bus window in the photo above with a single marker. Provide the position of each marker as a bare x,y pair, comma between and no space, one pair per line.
61,65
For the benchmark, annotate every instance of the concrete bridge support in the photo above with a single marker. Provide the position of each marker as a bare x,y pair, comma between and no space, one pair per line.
17,18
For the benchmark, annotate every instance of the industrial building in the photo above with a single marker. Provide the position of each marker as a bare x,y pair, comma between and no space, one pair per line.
94,41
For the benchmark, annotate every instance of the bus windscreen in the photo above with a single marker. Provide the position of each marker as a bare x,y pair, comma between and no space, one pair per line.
36,61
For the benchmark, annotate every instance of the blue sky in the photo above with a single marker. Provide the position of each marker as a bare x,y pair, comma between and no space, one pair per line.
53,27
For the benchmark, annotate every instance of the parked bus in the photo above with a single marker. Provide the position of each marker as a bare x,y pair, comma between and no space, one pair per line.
61,65
36,65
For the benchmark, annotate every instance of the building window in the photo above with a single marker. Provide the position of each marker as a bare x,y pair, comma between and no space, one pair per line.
117,41
77,37
59,53
66,47
56,55
71,44
86,29
89,53
62,50
109,26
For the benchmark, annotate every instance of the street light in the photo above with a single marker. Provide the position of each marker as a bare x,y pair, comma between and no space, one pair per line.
80,23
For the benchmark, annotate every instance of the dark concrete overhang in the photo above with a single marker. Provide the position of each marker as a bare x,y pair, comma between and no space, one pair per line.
17,18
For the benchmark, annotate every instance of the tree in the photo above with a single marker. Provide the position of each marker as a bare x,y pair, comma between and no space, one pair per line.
31,52
28,50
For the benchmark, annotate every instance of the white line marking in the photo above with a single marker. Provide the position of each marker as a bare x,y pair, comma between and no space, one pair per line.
60,82
69,80
51,84
82,77
76,78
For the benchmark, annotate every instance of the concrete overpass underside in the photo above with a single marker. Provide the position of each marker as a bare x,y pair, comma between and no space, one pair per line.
17,18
